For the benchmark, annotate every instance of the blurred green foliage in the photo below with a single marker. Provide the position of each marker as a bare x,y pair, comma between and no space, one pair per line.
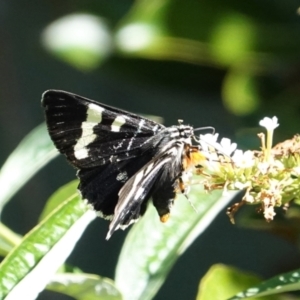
241,40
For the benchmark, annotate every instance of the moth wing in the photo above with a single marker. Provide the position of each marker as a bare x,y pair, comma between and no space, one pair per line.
100,186
91,134
136,192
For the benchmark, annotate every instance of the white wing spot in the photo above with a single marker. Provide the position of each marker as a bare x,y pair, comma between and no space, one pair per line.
155,128
81,153
94,117
122,176
117,123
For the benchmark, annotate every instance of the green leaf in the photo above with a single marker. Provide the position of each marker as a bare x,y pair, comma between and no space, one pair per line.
84,286
8,239
58,197
151,248
286,282
30,266
33,152
229,281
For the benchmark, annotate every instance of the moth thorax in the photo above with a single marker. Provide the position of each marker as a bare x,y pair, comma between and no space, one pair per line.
181,132
185,131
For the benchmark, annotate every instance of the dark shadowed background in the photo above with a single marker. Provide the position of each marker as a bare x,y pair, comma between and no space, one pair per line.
210,63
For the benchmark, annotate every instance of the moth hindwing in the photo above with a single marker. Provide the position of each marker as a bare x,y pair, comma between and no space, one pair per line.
122,159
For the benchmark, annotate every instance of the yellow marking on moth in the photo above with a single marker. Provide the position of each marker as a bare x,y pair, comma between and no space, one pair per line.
178,188
181,186
165,218
197,158
192,159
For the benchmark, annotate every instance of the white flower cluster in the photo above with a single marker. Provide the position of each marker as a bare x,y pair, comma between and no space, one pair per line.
263,176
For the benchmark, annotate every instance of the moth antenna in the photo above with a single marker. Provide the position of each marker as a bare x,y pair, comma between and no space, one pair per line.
206,128
191,203
203,128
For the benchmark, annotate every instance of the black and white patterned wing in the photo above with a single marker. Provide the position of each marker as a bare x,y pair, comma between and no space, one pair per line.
91,134
101,185
134,195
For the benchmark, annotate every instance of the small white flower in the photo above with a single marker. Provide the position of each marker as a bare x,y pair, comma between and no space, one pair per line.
241,186
263,167
269,213
243,159
296,171
249,198
273,186
268,123
227,147
212,165
208,140
278,165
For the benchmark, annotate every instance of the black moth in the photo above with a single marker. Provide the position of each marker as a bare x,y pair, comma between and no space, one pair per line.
122,159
